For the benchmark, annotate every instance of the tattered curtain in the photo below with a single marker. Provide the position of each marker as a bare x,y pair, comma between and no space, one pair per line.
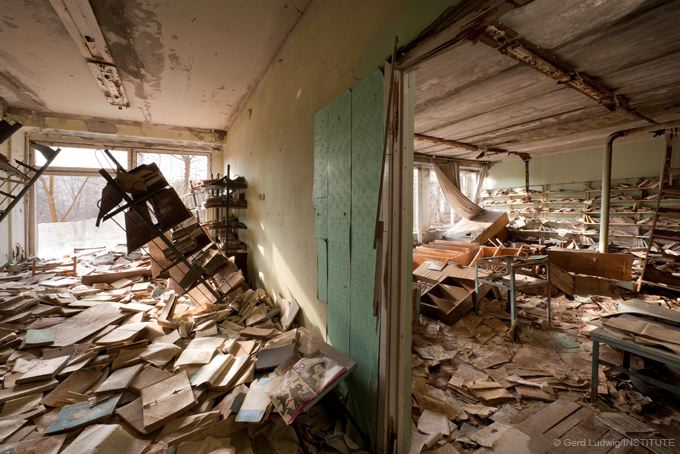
448,176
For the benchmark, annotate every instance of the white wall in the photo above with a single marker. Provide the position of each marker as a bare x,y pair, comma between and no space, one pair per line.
630,160
12,228
335,45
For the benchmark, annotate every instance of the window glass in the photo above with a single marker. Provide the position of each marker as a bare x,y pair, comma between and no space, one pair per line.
66,210
468,183
178,169
84,158
440,211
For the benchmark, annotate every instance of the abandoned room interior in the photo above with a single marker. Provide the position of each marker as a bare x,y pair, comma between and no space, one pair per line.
320,226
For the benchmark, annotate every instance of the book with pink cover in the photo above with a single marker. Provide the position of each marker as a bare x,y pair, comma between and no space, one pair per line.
295,388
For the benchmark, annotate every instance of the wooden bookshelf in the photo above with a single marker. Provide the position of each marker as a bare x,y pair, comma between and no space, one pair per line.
565,212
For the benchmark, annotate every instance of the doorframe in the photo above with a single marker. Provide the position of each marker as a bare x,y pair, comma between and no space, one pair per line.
395,260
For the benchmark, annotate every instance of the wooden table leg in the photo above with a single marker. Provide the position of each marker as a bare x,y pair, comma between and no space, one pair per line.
626,364
596,369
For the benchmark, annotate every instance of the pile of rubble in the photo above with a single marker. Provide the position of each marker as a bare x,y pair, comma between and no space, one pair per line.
111,359
471,382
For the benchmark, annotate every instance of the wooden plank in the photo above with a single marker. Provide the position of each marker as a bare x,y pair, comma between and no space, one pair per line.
339,213
549,416
588,429
568,423
447,254
561,279
321,141
367,139
636,306
589,285
108,278
322,269
611,266
320,194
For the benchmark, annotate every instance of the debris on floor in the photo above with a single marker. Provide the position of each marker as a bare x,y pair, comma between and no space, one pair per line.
113,358
475,390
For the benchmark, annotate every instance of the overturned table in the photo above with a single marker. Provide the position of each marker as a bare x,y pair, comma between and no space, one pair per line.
629,347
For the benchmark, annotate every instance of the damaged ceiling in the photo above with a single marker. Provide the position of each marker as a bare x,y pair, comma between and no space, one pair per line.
184,63
479,94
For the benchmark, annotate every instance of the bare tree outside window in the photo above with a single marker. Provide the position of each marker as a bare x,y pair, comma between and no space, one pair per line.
61,195
178,169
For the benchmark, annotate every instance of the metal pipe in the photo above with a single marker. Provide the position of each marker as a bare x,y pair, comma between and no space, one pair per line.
607,174
606,190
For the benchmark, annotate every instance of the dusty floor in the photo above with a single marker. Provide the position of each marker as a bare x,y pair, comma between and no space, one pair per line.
474,374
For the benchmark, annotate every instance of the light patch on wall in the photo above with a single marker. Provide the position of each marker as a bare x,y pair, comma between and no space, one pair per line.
299,93
489,183
295,290
260,248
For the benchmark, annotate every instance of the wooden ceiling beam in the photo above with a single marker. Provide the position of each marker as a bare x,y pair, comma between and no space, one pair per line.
508,42
456,144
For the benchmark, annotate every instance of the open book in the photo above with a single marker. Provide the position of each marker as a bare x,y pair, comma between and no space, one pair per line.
299,386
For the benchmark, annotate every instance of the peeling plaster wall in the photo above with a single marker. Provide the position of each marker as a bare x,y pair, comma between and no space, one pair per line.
13,227
630,160
334,45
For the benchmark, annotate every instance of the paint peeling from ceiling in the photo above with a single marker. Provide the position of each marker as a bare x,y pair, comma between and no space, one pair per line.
182,63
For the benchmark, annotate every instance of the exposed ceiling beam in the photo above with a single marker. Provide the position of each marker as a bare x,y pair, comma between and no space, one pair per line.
62,124
423,158
484,151
452,27
456,144
507,41
81,23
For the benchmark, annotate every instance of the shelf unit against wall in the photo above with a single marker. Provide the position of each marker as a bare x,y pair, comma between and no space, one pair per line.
562,213
218,204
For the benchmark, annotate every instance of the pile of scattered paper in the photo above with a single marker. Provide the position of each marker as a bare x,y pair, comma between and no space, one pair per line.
117,359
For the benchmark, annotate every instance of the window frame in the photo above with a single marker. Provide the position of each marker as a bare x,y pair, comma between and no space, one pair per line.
421,211
132,152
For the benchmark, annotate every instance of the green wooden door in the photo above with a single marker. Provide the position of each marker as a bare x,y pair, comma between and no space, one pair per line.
348,136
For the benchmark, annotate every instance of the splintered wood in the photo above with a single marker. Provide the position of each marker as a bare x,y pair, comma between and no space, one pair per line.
121,362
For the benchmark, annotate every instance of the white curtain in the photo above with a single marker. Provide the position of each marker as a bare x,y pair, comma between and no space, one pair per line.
449,180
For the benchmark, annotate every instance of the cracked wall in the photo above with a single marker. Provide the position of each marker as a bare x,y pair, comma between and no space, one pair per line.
334,45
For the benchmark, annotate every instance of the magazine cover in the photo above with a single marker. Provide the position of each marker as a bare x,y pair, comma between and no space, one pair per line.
289,393
318,372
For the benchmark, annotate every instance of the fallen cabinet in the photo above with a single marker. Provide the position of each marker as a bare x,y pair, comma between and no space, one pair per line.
448,303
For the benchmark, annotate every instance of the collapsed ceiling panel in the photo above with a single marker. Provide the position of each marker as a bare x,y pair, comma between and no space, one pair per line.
477,93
